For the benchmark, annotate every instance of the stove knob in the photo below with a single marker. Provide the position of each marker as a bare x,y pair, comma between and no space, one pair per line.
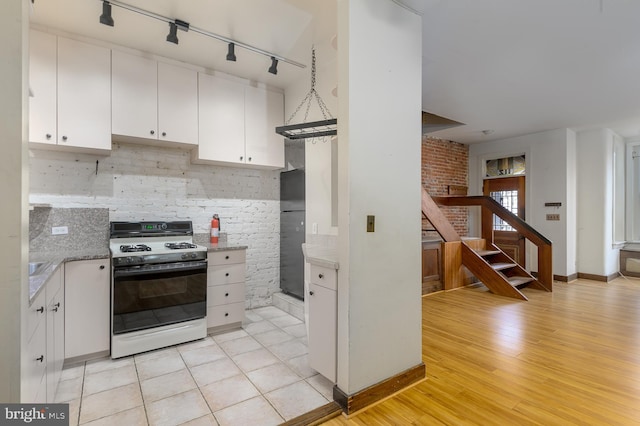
184,256
194,255
163,226
129,259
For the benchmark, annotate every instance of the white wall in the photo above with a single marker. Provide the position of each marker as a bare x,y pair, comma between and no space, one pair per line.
142,182
549,178
14,233
596,254
379,303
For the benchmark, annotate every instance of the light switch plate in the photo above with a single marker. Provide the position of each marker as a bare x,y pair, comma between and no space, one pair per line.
371,223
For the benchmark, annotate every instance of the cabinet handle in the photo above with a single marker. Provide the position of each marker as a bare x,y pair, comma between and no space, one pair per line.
226,295
48,136
40,358
241,158
311,293
226,275
57,305
64,138
164,133
249,158
153,132
40,309
101,266
55,309
226,314
226,257
320,276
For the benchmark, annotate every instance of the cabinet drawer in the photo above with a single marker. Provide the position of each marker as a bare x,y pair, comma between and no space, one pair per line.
36,313
325,277
36,366
225,294
226,257
226,274
225,314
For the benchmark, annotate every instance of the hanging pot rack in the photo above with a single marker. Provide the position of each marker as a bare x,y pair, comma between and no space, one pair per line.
314,129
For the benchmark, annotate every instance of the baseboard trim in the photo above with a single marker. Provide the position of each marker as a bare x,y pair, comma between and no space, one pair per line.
602,278
362,399
316,417
565,278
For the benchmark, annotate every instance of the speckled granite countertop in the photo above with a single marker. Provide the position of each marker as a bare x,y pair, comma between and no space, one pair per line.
321,255
54,260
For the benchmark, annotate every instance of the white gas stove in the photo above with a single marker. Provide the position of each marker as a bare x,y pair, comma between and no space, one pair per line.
159,286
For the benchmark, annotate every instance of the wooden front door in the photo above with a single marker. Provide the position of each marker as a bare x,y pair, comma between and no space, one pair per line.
509,192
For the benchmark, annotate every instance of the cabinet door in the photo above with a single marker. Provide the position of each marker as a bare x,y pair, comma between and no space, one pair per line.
55,343
42,85
177,104
322,330
84,95
87,307
134,95
264,110
221,120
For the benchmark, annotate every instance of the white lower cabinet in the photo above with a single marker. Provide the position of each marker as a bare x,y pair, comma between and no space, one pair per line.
225,289
45,347
323,309
88,309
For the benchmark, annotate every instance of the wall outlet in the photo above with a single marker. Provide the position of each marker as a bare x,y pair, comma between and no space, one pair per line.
59,230
553,217
314,228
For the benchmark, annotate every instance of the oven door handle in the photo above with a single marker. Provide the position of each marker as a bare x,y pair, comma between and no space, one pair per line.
175,267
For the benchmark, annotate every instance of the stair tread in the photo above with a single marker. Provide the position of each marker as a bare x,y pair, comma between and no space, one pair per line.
502,265
516,281
487,252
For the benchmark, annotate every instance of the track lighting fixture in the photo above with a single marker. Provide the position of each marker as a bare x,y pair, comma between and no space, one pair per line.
177,24
231,54
172,37
273,69
106,18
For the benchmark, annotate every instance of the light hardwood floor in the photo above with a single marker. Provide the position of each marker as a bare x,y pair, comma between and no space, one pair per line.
562,358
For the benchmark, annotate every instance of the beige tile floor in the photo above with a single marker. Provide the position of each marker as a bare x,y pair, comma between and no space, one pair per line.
255,376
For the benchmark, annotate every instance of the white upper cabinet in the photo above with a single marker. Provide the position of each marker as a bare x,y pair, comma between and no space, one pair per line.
43,88
237,124
134,95
154,100
264,110
177,104
84,95
70,102
221,120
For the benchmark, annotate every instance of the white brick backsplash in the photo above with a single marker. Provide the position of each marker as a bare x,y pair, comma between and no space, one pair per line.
141,182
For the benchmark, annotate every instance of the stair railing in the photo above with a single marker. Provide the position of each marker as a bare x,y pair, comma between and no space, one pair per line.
489,207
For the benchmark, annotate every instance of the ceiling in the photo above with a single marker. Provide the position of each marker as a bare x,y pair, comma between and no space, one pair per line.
502,67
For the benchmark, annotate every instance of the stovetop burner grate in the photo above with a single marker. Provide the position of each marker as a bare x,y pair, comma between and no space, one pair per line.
181,245
128,248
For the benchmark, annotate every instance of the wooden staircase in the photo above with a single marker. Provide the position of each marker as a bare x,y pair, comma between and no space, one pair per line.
501,274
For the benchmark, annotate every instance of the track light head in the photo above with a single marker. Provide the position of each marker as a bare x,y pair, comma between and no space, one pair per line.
273,69
172,37
231,54
106,18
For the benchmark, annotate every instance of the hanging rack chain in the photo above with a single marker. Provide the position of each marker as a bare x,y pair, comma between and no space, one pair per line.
313,94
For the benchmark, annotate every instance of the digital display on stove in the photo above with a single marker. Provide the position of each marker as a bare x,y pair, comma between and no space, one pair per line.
149,227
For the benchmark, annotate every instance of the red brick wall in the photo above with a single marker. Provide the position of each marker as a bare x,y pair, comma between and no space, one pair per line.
445,163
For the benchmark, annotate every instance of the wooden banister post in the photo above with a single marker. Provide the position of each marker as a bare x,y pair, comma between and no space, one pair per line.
487,224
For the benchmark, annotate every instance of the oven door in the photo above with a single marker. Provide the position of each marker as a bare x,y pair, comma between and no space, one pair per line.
160,294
